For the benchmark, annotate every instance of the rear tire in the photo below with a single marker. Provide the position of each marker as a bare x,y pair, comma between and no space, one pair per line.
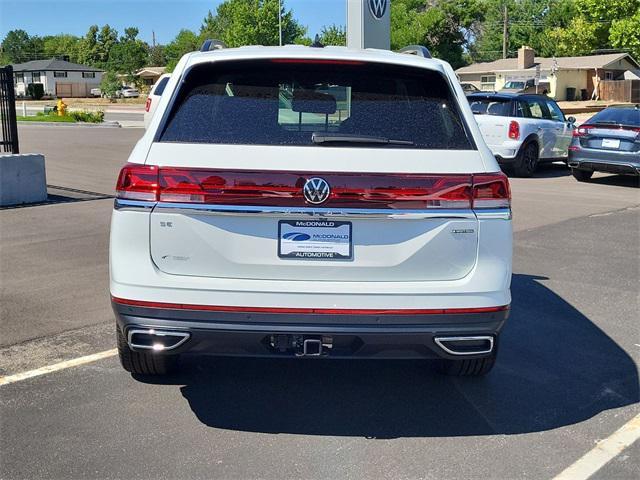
142,363
582,175
527,160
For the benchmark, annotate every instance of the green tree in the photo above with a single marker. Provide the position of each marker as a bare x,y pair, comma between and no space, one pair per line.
529,23
88,47
18,47
625,34
106,40
186,41
157,56
62,45
110,84
333,35
446,27
251,22
128,55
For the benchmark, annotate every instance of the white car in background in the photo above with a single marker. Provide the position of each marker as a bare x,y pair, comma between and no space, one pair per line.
311,202
127,92
154,97
522,130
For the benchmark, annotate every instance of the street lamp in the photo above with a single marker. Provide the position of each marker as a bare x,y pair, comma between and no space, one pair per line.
280,20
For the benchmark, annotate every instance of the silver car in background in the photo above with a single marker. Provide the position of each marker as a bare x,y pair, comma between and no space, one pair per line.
607,142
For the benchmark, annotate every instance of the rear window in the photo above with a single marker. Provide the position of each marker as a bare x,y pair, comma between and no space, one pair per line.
300,102
491,106
618,116
159,88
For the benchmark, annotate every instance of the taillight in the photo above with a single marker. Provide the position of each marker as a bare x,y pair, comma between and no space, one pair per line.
138,182
381,191
582,130
147,105
514,130
181,185
491,190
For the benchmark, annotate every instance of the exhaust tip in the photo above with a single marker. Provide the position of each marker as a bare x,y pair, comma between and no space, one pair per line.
156,340
472,345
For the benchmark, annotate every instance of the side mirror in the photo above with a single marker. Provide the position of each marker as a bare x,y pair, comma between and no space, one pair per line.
571,120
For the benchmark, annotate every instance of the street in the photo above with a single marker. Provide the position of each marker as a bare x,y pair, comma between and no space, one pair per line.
566,376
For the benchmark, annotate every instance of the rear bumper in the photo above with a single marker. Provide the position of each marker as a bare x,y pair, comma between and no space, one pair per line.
351,336
621,168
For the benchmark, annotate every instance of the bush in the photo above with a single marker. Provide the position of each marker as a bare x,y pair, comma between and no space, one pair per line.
88,117
35,91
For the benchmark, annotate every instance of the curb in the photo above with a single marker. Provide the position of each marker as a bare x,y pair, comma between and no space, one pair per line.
107,124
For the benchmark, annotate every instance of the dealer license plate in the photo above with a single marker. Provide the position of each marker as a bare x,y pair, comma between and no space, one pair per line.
314,240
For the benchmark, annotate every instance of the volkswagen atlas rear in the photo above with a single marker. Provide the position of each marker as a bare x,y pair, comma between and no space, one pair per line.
311,203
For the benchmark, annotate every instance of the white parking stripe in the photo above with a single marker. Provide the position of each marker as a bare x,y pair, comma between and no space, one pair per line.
18,377
603,452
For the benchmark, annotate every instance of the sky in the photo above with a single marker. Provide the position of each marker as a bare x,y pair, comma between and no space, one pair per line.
165,17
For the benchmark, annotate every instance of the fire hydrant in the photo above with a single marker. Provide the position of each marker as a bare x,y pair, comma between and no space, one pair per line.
61,108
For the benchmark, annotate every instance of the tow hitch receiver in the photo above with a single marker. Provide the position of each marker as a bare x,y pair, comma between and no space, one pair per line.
302,345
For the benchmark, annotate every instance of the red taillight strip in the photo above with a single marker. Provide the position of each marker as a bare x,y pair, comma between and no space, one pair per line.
321,311
317,61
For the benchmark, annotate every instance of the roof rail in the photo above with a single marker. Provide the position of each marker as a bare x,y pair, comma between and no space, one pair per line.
211,44
418,50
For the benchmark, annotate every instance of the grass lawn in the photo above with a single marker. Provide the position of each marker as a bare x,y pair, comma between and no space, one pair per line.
45,118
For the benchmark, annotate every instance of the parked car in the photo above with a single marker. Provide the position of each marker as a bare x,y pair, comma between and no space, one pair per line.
332,225
127,92
95,92
522,130
468,88
154,97
607,142
525,86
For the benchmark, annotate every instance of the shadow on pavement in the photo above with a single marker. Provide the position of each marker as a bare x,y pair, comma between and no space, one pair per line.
618,180
555,368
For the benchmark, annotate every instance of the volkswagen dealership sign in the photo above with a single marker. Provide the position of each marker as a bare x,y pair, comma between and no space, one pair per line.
368,24
378,8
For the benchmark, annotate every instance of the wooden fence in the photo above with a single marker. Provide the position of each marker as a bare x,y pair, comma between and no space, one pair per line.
620,90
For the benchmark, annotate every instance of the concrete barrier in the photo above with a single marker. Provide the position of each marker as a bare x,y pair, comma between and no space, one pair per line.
22,179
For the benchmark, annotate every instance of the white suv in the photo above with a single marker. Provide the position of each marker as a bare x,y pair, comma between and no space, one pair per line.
522,130
311,202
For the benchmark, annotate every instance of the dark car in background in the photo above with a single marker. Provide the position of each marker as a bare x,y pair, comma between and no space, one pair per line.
607,142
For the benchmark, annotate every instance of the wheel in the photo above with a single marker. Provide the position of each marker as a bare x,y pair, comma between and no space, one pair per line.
527,160
472,367
143,363
582,175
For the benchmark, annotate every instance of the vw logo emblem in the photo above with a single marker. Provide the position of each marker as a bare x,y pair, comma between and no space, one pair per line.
378,8
316,190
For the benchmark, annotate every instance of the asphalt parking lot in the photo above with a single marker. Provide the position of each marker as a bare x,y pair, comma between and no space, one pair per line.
566,377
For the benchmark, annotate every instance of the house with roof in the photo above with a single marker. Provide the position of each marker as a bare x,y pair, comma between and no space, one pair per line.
59,77
150,75
561,76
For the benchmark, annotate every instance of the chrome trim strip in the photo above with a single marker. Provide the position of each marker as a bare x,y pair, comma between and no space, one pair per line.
139,205
184,336
439,341
494,213
312,211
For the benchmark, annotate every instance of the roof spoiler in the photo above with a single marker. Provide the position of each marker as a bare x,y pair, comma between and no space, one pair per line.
212,44
418,50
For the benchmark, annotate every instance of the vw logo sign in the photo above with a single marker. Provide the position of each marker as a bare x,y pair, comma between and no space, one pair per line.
316,190
378,8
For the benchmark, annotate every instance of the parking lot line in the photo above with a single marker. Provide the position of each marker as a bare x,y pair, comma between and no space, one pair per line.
605,451
18,377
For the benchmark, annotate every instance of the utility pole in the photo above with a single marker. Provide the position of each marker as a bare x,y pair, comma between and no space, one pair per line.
505,32
280,20
153,38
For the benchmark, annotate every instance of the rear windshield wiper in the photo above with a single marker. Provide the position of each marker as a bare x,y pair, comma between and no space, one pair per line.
326,138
